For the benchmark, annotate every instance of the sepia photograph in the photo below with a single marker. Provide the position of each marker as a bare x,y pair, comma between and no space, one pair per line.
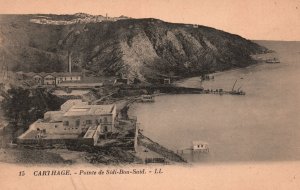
146,90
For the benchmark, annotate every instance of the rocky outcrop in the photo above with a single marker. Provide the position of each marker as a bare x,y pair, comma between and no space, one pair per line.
136,48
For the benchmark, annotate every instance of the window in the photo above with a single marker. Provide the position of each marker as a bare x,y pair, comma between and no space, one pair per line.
77,123
105,119
100,120
88,122
66,123
104,129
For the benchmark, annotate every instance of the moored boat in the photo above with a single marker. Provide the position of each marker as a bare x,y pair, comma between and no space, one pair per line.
147,98
274,60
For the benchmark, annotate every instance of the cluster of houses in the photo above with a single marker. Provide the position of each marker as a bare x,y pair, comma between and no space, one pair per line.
51,79
56,78
76,120
67,79
77,80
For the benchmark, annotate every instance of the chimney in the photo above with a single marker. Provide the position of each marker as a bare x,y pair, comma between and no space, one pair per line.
70,61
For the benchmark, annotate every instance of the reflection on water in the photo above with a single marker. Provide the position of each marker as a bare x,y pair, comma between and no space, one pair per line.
264,125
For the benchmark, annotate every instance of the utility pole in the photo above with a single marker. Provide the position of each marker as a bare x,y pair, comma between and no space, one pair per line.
4,69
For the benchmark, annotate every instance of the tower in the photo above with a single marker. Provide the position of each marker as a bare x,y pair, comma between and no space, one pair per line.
70,61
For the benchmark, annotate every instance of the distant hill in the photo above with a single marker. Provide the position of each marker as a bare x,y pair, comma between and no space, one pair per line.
136,48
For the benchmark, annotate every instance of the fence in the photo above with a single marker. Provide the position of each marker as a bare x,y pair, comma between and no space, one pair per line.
155,160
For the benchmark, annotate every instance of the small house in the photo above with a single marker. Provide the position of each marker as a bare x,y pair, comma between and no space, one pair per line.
67,77
38,79
49,79
200,146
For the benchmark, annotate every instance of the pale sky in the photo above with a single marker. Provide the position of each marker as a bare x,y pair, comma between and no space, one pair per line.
253,19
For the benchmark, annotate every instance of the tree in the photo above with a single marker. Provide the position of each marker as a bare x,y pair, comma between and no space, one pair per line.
16,106
23,106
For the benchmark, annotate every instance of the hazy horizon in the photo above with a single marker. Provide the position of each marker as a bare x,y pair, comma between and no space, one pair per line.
154,18
252,19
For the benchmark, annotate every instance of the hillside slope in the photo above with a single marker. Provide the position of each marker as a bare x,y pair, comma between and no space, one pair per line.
139,48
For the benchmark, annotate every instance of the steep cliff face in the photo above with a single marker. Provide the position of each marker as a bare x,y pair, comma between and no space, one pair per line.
137,48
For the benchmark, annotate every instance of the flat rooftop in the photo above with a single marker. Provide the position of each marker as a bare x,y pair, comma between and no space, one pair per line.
80,84
79,110
32,134
72,93
70,103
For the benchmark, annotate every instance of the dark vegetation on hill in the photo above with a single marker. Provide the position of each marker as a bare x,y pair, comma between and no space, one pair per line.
136,48
23,106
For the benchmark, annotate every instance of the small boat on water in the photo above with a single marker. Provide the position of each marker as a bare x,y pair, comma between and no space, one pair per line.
147,98
274,60
236,92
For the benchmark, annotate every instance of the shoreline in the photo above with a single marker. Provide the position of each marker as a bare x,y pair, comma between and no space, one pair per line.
218,73
66,155
161,150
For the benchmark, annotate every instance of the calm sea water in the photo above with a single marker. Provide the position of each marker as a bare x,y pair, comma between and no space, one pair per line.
264,125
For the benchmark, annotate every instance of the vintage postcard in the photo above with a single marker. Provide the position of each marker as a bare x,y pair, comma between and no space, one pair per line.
131,94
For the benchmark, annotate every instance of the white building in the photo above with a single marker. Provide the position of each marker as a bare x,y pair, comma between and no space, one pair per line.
200,146
56,78
75,118
49,79
67,77
85,116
